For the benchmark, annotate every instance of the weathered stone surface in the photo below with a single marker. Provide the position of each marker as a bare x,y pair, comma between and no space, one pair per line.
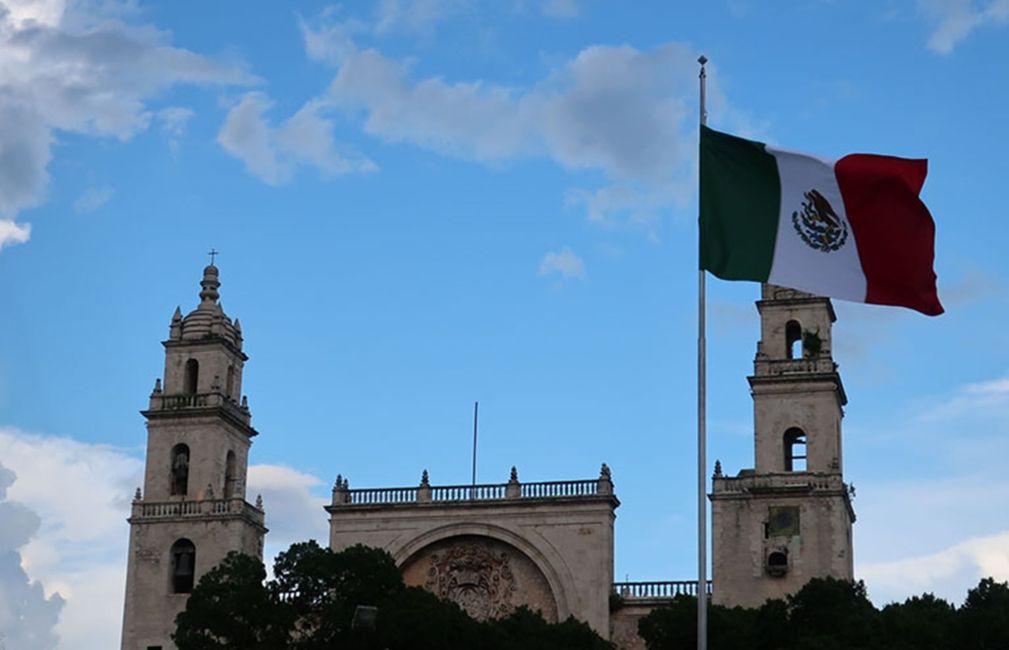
559,549
795,389
200,410
486,577
624,624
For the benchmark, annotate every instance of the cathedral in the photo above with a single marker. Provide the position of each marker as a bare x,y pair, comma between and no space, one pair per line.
491,548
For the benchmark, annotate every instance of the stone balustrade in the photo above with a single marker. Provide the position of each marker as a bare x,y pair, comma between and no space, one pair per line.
774,292
552,489
184,401
629,591
381,495
778,367
657,590
579,489
815,481
484,492
195,509
160,402
162,405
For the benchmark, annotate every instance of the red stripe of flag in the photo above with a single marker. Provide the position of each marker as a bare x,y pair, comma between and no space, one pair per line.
893,229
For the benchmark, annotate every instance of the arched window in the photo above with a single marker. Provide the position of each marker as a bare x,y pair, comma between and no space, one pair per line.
230,383
777,563
230,478
180,469
795,450
191,381
793,339
183,566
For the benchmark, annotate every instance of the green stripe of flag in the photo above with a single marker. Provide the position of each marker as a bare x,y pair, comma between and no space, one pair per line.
739,205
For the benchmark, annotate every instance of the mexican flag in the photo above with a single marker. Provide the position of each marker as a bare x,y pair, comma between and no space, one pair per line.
852,228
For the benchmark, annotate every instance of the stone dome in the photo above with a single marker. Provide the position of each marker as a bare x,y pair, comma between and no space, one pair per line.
208,320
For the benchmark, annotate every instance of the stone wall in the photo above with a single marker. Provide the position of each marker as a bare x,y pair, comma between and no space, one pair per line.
559,550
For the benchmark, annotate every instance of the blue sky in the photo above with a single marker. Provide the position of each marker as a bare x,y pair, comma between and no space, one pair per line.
422,204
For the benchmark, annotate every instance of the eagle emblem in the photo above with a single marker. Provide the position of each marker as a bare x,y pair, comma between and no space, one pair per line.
818,225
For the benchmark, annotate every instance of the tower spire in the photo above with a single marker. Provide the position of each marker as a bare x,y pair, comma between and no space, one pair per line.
192,509
210,284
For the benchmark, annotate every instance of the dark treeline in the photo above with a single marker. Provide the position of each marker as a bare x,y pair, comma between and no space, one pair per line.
829,614
310,604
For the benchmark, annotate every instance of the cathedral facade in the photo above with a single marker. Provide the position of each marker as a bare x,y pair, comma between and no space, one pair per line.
491,548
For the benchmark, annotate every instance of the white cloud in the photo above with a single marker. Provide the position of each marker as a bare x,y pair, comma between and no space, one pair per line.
979,400
81,494
13,233
27,616
941,528
25,142
247,136
937,534
293,512
417,16
331,41
616,109
948,573
637,204
561,8
173,121
956,19
564,263
46,12
274,153
77,496
77,67
93,198
610,108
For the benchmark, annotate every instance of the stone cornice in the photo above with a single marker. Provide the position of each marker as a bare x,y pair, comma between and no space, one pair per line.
766,381
222,412
206,342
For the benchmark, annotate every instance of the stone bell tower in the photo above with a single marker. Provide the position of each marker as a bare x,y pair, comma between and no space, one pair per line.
192,510
789,519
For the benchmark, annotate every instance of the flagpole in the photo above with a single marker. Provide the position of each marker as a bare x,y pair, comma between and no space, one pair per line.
702,496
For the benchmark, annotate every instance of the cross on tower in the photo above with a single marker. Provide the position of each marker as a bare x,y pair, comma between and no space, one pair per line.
213,253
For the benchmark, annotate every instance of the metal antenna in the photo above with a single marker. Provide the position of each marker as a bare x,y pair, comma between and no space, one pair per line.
476,414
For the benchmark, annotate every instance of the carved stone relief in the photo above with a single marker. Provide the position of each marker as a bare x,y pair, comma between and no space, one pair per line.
485,577
474,577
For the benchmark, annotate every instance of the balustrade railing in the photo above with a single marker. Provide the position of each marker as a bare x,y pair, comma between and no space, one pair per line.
466,493
198,400
185,401
810,480
168,509
819,365
381,495
553,489
484,492
663,589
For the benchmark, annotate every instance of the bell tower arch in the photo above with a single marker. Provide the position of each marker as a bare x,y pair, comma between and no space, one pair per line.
192,510
789,518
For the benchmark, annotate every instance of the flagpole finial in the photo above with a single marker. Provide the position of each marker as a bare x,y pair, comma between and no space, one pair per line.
703,76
